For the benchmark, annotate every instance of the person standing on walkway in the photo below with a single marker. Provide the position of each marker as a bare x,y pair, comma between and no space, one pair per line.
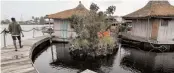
15,31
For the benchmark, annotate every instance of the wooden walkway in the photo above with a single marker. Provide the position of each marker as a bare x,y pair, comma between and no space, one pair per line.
20,62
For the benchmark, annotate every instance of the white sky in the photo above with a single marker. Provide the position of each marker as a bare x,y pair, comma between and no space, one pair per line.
28,8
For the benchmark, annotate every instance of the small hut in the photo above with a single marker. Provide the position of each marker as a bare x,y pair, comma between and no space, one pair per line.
154,22
61,25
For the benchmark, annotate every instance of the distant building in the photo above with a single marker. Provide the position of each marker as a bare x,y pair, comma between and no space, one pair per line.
155,21
114,21
47,21
61,21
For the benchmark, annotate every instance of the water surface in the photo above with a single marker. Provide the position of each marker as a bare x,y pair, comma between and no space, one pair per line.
56,59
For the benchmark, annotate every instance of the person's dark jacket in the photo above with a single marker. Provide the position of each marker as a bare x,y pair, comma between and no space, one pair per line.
14,28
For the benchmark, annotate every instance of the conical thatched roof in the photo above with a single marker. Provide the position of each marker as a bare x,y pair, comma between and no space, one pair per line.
153,9
79,10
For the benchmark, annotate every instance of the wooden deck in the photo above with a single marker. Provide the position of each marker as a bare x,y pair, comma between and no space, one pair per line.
20,62
140,39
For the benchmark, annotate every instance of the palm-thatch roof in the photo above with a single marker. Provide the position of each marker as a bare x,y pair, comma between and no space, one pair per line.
79,10
153,9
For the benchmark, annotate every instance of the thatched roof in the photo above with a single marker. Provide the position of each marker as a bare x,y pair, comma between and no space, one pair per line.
79,10
153,9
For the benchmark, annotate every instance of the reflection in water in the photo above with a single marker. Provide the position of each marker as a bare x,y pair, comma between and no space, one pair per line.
56,59
64,59
149,62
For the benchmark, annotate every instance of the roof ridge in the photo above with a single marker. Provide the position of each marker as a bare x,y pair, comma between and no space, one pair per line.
80,6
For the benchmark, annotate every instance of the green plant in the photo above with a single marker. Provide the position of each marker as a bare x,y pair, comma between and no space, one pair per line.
87,27
107,41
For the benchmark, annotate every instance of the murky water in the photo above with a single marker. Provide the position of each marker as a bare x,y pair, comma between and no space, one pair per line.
56,59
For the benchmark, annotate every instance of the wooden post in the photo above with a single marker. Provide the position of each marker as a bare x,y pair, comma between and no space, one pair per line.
148,34
4,37
50,27
51,41
50,32
42,32
33,32
52,53
49,23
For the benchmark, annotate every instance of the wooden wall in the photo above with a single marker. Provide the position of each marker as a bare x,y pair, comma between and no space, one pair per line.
166,33
140,27
60,25
171,29
56,26
152,29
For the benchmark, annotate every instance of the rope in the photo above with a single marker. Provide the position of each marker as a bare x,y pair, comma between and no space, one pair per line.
37,29
28,30
2,31
64,30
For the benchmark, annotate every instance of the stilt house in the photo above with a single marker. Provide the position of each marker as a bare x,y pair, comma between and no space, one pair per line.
155,21
61,25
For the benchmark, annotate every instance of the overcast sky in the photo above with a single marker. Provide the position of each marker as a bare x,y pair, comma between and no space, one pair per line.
24,10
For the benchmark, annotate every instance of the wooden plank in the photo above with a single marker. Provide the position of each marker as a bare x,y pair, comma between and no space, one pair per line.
24,70
17,68
19,62
13,61
13,65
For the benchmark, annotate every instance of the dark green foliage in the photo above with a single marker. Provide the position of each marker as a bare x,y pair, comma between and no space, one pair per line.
94,7
111,10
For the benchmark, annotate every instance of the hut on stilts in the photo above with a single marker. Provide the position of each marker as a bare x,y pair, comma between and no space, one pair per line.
152,25
61,26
